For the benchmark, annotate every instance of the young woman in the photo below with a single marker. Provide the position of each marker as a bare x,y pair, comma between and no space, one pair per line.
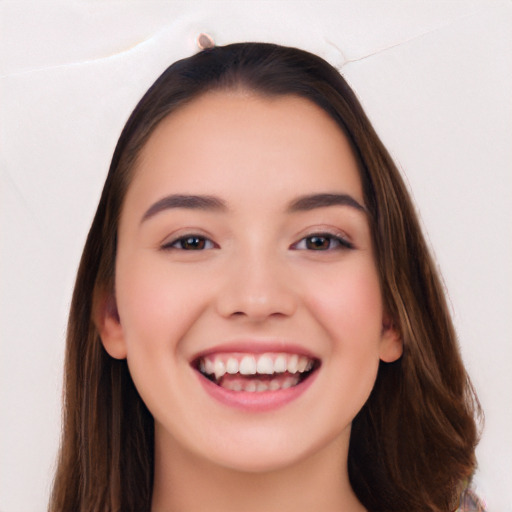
257,323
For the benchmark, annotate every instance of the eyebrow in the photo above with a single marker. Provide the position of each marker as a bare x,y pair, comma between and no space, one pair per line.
192,202
212,203
313,201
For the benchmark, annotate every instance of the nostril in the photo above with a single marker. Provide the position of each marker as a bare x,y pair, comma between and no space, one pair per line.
256,308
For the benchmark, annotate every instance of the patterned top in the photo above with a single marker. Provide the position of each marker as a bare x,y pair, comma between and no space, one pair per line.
469,502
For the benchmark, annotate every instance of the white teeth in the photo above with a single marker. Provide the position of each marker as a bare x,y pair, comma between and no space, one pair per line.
287,384
209,367
274,385
232,366
291,381
251,386
254,386
247,365
265,366
219,368
233,386
261,386
293,363
302,364
280,364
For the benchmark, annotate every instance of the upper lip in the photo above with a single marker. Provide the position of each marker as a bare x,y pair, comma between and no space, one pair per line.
255,347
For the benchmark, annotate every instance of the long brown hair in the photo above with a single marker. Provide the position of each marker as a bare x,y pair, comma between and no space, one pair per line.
412,444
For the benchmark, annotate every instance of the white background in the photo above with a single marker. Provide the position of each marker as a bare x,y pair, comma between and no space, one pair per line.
435,78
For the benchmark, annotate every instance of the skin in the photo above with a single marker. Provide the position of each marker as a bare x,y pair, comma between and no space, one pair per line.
256,280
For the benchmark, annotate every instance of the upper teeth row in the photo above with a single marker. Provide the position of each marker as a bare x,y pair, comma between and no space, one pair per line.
265,364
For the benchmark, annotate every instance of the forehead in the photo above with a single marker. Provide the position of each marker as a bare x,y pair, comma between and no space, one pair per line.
243,144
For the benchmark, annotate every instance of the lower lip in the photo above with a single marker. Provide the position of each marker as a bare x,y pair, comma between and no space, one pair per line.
258,401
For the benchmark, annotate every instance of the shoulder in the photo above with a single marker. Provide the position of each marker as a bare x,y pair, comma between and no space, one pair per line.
469,502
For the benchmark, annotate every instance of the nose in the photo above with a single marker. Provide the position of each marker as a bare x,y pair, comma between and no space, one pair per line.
257,288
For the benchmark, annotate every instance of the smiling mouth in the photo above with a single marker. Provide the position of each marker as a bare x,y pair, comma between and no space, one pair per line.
256,373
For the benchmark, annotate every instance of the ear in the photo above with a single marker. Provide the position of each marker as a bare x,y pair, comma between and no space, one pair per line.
391,345
107,321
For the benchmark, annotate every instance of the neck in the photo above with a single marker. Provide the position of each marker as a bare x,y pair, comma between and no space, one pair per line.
185,481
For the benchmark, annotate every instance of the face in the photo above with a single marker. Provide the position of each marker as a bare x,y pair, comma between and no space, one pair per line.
250,311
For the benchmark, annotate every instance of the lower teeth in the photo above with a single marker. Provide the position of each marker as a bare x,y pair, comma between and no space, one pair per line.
255,385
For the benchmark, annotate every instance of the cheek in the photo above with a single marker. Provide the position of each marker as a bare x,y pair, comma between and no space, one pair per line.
349,304
348,307
156,306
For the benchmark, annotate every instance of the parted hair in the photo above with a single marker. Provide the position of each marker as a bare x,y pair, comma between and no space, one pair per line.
412,444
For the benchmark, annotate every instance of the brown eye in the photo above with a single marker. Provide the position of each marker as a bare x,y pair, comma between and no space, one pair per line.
318,243
190,243
193,243
322,242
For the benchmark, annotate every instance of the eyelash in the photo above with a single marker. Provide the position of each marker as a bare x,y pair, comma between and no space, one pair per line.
340,242
189,238
206,244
